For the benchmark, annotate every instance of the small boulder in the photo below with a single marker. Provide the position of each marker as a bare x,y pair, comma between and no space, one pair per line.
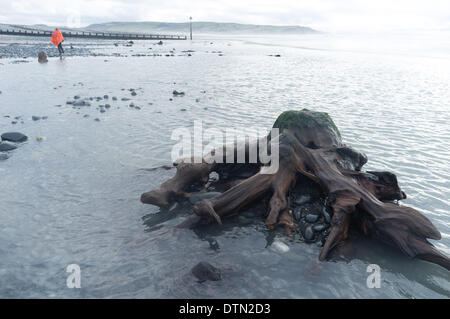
42,57
14,137
204,271
176,93
308,234
310,218
5,147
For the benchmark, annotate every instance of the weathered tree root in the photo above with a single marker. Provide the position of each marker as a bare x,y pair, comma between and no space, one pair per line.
310,145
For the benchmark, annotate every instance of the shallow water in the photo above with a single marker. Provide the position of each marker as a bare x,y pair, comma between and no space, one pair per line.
73,198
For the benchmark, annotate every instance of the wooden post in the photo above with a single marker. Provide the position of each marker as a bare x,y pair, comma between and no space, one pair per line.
190,26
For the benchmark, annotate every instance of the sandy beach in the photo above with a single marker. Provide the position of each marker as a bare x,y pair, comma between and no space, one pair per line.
99,118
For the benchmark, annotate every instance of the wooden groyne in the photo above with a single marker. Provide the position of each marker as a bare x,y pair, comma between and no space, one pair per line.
95,35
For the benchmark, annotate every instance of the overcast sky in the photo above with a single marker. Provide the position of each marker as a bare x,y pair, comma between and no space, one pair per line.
326,15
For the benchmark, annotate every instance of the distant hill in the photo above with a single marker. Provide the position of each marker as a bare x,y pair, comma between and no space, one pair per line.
199,28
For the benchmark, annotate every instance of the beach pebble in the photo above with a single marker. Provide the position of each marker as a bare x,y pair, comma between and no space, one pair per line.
107,106
309,233
279,246
297,214
35,118
105,96
114,98
14,137
97,119
213,244
133,93
80,103
39,139
175,92
204,271
303,199
310,218
320,227
5,146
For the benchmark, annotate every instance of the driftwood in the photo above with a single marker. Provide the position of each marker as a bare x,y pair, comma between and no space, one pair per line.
310,145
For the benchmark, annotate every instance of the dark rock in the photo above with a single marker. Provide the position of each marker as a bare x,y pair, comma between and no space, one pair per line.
105,97
97,119
204,271
176,93
303,199
182,110
80,103
297,214
125,99
133,93
3,157
320,227
14,137
42,57
114,98
310,218
102,110
309,233
107,106
76,97
5,146
35,118
213,244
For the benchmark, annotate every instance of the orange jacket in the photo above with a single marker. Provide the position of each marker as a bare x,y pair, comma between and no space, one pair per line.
57,37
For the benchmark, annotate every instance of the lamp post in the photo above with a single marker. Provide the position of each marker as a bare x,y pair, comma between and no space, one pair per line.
190,25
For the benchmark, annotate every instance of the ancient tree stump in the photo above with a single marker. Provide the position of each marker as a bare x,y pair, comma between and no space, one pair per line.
310,145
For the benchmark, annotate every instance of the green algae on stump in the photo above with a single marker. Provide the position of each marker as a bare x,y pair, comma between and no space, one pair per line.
314,129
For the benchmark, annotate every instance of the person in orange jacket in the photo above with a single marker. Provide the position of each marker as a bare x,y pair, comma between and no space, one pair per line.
57,39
